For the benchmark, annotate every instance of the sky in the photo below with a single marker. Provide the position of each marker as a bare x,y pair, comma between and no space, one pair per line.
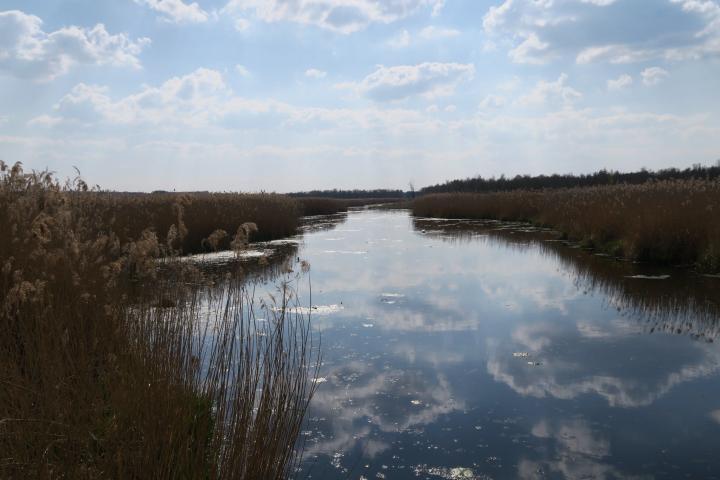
289,95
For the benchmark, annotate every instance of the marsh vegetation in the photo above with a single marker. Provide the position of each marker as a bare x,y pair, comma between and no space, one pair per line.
667,222
111,367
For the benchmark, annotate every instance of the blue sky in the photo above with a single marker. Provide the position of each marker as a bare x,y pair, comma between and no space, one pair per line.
285,95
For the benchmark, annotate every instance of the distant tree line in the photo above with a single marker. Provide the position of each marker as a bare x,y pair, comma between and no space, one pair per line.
602,177
377,193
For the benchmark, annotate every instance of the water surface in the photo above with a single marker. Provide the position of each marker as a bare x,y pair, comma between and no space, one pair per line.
465,349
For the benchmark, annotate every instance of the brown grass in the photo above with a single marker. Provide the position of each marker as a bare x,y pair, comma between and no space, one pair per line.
665,222
188,219
328,206
99,379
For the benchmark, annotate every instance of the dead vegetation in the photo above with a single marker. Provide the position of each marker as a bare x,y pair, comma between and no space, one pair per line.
108,370
669,222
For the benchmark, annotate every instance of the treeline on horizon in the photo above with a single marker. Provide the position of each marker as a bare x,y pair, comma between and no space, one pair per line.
380,193
600,178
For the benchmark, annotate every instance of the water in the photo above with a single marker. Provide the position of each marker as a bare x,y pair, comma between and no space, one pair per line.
460,349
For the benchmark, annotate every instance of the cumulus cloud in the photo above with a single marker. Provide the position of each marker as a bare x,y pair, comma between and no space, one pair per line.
191,99
315,73
428,79
545,92
605,30
242,70
401,40
433,33
653,76
343,16
202,99
492,101
176,11
26,51
620,83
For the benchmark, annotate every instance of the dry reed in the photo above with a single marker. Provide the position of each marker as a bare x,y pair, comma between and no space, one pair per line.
665,222
98,379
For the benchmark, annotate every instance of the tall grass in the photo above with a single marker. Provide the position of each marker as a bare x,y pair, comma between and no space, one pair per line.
99,380
190,218
329,206
667,222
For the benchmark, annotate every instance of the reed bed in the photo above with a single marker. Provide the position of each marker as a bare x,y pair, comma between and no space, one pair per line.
329,206
188,219
100,379
668,222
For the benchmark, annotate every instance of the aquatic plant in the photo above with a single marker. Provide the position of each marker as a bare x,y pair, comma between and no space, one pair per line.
109,369
665,222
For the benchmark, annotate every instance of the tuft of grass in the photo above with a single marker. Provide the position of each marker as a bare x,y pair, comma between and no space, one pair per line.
669,222
110,370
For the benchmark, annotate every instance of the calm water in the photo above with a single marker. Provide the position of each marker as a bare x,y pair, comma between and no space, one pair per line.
460,349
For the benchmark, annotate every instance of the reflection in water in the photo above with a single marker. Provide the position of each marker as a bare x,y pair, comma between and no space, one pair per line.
569,355
578,452
419,378
681,302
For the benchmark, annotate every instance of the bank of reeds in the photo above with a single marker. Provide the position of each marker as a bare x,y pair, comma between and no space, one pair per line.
195,216
669,222
100,379
328,206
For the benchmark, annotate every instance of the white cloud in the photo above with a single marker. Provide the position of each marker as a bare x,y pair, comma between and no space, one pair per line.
545,92
176,11
605,30
492,101
437,8
653,76
403,81
315,73
432,33
343,16
26,51
531,50
202,99
193,99
620,83
617,54
241,24
242,70
401,40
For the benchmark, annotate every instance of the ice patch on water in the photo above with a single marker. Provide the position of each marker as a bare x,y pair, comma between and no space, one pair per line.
346,252
314,310
449,473
225,255
288,241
